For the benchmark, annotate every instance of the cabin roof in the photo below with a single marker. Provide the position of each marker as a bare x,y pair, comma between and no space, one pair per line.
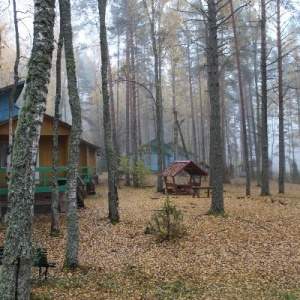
5,93
4,96
183,165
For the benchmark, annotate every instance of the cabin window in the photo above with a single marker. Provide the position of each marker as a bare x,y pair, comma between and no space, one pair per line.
3,153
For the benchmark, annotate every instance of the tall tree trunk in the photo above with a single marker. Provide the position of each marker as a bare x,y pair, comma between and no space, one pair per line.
13,95
264,106
113,111
113,200
194,136
158,96
15,281
55,194
281,174
71,259
175,113
258,111
243,109
202,142
216,172
252,129
134,136
128,95
226,175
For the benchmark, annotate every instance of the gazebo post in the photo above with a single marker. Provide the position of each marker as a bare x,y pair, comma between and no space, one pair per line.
174,184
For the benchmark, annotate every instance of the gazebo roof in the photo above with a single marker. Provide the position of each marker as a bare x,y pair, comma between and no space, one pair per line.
183,165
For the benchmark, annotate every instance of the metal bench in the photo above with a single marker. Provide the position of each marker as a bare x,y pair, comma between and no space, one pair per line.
40,261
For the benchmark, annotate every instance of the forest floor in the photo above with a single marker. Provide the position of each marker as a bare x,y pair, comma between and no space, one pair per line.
251,253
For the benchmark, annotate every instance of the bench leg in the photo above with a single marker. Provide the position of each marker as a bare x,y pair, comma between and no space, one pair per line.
196,192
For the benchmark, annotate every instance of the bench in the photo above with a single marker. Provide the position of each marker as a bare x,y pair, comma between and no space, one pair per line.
196,190
40,261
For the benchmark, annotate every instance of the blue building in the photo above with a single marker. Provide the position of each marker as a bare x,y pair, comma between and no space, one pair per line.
149,154
5,94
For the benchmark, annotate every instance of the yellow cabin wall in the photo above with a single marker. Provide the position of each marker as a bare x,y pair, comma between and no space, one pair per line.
82,155
92,158
4,128
87,154
46,151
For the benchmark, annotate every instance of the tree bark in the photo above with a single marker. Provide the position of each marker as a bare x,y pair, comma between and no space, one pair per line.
128,95
71,259
264,106
243,109
55,194
113,200
15,281
134,136
12,96
281,175
158,96
194,136
216,163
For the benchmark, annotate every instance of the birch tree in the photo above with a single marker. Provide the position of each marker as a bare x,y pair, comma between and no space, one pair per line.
71,259
15,280
55,193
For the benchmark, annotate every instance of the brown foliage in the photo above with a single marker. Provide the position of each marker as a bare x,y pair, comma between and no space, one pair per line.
251,253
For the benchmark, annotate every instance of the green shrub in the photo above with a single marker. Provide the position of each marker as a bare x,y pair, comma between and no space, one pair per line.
139,171
167,223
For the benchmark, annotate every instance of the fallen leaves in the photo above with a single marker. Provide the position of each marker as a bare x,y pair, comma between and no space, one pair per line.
251,253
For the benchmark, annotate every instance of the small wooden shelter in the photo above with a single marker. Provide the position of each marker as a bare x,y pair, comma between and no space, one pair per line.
181,176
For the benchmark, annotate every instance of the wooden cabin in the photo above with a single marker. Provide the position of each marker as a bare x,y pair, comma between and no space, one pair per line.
181,176
87,155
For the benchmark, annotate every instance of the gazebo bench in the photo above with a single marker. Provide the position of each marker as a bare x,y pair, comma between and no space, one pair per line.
196,190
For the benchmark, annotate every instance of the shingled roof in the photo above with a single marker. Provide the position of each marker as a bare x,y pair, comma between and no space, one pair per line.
183,165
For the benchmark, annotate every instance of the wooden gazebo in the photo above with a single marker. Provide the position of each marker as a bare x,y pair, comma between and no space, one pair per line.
186,169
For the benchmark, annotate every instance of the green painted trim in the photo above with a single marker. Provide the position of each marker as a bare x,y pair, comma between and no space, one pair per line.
44,183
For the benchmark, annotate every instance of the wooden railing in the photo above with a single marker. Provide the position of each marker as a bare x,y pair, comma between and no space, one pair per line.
43,180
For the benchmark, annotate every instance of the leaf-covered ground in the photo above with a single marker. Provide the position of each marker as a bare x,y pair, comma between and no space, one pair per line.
251,253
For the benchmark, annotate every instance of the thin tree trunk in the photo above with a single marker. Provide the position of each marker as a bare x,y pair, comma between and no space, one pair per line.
55,194
258,114
226,175
264,106
112,110
113,200
134,136
71,259
16,263
128,95
12,96
243,109
175,113
194,136
281,175
252,130
202,120
158,98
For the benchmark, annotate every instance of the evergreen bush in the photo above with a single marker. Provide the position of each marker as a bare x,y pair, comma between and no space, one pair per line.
167,224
